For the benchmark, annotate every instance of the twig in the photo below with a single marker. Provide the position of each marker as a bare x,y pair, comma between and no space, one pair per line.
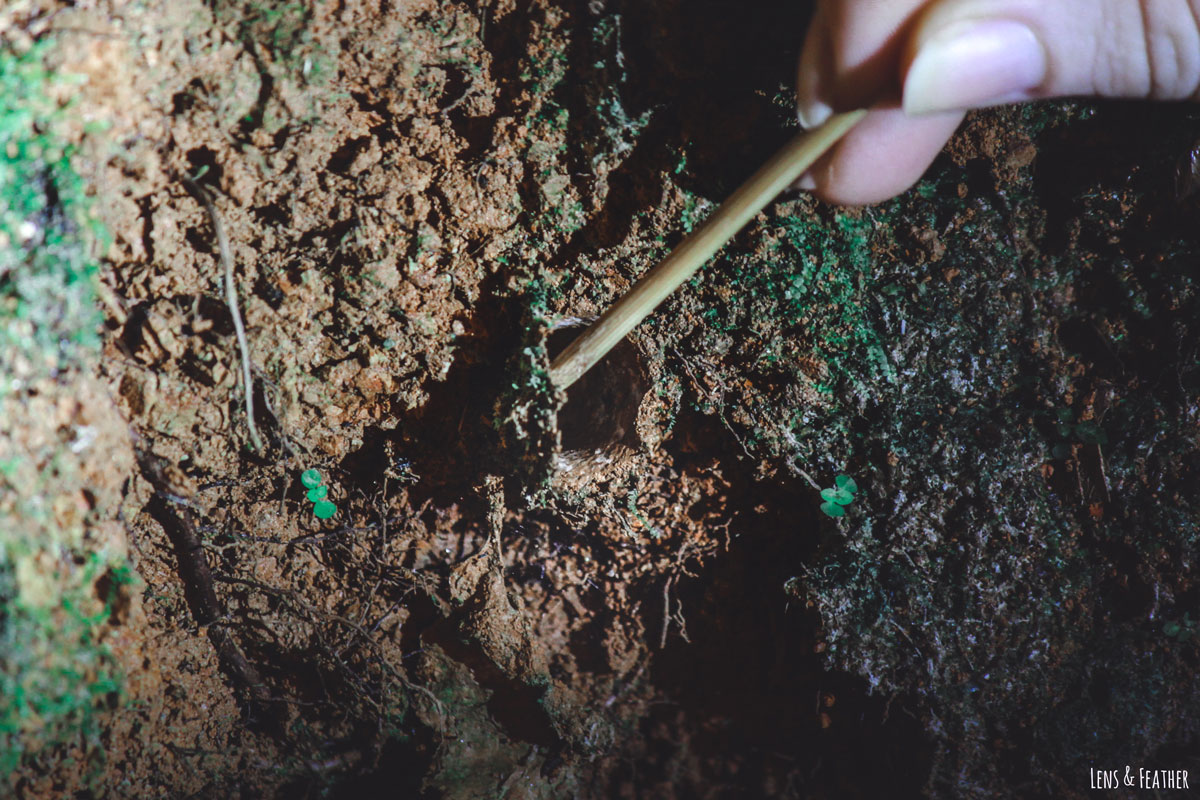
807,477
177,522
231,300
666,626
656,285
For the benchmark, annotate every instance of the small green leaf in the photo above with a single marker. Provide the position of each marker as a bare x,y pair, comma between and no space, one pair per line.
311,478
828,494
1172,628
323,509
833,509
1090,433
317,493
843,497
846,483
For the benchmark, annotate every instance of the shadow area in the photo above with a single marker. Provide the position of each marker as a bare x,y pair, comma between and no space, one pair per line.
454,438
699,93
748,694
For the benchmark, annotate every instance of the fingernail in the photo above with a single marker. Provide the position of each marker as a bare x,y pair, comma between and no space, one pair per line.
813,113
805,183
975,64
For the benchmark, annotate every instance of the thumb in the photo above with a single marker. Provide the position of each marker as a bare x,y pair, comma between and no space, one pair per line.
973,53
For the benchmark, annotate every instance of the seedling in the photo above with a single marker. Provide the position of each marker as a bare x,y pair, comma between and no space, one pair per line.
837,498
1182,630
311,480
1069,431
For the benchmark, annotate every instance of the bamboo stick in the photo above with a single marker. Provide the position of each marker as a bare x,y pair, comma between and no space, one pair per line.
656,285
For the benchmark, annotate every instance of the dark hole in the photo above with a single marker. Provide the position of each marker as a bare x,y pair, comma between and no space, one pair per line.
202,163
602,406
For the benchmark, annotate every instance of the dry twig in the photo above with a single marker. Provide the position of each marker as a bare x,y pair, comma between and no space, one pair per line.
231,300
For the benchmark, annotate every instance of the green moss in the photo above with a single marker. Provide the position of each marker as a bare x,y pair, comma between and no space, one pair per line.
999,563
47,234
980,580
55,673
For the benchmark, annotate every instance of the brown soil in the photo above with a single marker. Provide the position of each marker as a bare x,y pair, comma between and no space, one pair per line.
393,180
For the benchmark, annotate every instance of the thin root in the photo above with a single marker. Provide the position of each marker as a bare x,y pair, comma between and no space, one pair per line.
231,300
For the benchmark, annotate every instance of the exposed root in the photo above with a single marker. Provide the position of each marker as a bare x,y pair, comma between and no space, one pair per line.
231,300
176,520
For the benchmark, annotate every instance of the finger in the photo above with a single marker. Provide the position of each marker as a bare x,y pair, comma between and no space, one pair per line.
974,53
814,96
885,154
852,55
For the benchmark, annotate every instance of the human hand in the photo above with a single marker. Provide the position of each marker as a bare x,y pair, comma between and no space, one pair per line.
920,64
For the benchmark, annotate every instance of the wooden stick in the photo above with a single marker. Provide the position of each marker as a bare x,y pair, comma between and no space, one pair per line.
656,285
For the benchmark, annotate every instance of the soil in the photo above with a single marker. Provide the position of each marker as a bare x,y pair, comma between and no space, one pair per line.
636,595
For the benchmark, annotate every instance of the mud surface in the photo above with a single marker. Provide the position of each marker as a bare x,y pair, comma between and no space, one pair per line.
638,597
